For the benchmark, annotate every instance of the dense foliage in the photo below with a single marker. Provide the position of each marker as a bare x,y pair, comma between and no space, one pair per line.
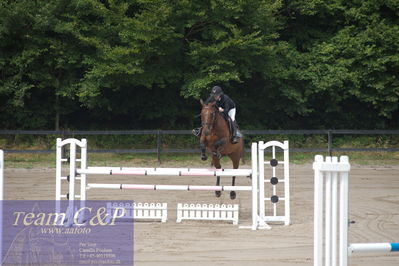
142,64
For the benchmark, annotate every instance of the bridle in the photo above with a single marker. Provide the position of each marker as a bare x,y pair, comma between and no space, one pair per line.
210,125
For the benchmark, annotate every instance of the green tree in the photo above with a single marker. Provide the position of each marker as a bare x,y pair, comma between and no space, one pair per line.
145,63
349,53
39,62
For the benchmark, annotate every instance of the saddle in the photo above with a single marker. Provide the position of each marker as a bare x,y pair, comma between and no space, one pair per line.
233,126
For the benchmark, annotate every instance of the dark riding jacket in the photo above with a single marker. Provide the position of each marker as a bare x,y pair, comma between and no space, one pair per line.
226,103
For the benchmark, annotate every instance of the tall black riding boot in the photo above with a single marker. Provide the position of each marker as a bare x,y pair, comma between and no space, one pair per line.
234,137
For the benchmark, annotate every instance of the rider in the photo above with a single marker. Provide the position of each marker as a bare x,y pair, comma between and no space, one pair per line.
226,106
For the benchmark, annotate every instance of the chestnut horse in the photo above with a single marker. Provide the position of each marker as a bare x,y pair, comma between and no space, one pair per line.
215,137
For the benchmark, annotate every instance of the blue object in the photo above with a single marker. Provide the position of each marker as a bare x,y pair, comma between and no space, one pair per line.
394,246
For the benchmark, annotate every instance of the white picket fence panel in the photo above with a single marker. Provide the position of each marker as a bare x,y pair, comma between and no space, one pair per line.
209,212
140,211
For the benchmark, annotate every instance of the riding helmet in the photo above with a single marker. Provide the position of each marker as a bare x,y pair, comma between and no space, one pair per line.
216,91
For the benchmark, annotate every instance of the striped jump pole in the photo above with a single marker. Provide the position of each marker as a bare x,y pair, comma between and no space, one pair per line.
169,187
164,171
331,181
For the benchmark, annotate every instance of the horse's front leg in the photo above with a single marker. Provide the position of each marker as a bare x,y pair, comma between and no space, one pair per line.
216,163
235,158
204,157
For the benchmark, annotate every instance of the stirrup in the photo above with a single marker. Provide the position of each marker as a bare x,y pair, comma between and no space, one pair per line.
196,131
217,154
235,140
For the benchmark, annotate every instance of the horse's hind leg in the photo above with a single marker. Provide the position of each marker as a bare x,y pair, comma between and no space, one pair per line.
216,163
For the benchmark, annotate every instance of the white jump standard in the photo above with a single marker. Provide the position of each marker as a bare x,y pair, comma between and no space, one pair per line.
259,219
274,199
335,175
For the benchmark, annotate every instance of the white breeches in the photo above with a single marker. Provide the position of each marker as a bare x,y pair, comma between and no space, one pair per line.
232,114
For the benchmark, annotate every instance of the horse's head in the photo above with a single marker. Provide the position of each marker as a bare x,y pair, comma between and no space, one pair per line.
208,116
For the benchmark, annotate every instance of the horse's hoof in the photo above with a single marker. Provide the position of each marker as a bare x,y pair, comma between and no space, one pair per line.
204,157
218,194
233,195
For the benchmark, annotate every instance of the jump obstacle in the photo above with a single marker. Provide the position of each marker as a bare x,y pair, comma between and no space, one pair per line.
260,214
330,177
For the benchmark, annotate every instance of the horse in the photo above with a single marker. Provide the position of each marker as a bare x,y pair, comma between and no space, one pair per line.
215,137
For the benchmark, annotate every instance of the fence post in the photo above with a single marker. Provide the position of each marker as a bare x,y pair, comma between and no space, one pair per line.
329,132
159,145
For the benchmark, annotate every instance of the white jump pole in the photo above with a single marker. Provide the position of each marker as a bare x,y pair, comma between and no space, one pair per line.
373,247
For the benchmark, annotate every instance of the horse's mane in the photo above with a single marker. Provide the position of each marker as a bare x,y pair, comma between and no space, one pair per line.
210,100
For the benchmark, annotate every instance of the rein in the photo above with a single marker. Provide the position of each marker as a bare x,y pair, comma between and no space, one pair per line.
213,117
